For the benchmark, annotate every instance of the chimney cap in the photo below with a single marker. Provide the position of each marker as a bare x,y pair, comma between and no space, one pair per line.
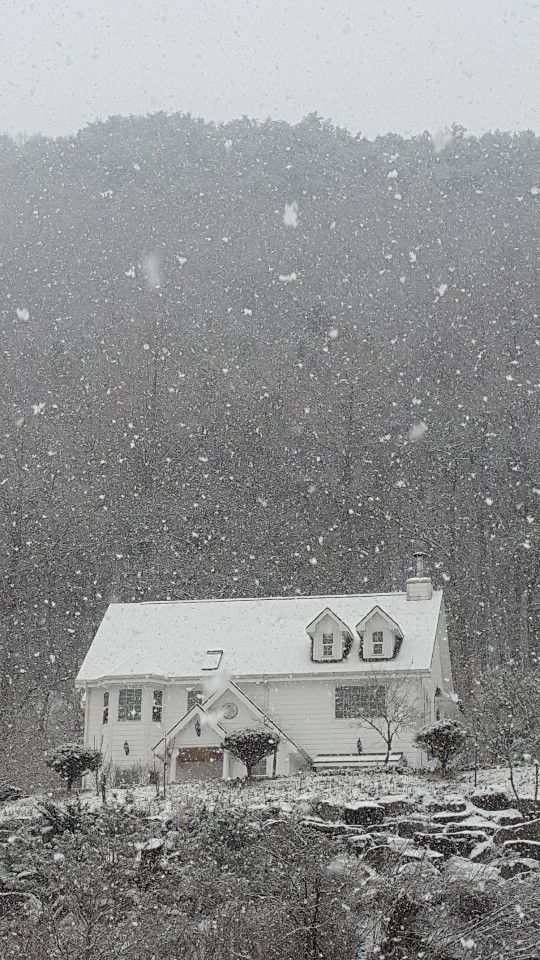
419,549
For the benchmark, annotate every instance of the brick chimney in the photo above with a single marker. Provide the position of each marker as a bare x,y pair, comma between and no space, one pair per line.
419,587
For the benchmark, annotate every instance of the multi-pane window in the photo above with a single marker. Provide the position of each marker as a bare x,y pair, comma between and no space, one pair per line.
378,641
157,706
194,696
106,707
360,701
129,704
328,644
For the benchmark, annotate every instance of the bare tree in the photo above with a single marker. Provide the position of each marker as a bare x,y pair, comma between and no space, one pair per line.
391,714
506,717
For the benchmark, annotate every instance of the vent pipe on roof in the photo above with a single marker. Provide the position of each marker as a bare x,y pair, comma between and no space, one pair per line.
420,586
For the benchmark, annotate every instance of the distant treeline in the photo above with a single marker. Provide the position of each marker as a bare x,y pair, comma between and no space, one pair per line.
258,359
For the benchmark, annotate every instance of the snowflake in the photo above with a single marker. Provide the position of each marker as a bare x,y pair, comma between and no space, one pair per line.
418,430
290,214
441,140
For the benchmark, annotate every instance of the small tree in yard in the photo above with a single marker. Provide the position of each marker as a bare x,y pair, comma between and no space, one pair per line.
395,710
71,760
250,746
442,741
504,710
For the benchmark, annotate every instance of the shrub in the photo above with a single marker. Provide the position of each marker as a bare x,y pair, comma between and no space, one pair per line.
60,818
250,746
71,760
442,741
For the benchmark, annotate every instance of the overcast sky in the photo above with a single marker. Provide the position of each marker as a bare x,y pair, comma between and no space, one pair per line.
369,65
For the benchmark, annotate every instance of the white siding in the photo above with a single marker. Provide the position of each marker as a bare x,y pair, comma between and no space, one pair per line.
175,703
96,732
305,711
437,676
188,736
243,719
140,735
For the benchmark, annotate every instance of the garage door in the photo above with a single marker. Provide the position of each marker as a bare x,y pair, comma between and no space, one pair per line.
199,763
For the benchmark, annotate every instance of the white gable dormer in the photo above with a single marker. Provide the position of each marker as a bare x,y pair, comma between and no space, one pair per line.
331,638
379,635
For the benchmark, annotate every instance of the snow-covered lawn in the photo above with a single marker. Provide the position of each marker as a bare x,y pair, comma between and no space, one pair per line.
349,787
297,794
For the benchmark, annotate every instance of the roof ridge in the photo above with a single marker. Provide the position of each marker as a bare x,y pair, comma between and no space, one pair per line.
282,597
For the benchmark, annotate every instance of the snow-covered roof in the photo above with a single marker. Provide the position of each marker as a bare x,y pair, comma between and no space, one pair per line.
257,636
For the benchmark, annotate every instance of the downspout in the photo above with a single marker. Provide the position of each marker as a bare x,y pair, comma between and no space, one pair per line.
165,769
86,712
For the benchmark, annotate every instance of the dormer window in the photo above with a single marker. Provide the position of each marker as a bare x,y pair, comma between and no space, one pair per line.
380,636
378,643
327,645
331,638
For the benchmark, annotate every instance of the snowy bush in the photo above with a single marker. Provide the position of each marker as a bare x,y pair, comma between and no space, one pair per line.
442,741
250,746
71,760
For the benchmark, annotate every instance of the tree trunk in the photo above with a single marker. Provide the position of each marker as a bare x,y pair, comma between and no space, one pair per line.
389,737
512,781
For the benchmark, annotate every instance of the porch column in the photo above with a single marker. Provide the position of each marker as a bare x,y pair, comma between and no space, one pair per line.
282,765
226,764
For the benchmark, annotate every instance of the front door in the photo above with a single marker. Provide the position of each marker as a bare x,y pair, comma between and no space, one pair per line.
199,763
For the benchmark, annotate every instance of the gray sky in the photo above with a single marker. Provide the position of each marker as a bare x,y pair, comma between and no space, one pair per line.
369,65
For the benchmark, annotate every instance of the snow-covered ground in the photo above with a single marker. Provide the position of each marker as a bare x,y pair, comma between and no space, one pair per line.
297,794
348,787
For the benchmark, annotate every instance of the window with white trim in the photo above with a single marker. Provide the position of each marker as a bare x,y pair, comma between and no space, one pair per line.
157,706
130,704
194,697
377,639
105,707
360,701
328,644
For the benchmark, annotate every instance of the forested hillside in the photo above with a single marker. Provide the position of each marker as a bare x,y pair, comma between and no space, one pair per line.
257,359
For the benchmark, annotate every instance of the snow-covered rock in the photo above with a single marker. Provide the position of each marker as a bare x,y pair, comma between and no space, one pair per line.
490,798
513,868
363,812
396,805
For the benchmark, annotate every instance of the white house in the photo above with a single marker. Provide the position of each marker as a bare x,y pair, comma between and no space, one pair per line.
171,679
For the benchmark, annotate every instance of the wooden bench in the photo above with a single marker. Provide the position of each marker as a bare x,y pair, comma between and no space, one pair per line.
333,762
